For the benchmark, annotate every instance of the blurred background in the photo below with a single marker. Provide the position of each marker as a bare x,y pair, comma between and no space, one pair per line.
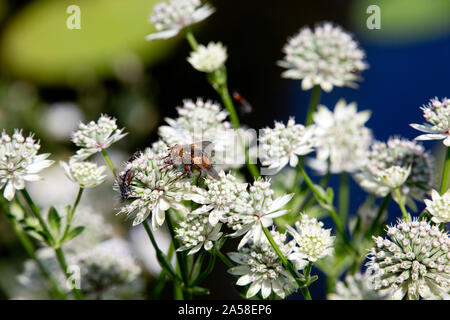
52,77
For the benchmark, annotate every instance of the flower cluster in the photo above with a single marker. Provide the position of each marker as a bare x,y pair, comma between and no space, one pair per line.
19,162
260,266
439,206
342,138
172,16
356,287
437,114
96,136
415,261
326,56
86,174
208,58
402,153
284,143
155,188
196,232
311,241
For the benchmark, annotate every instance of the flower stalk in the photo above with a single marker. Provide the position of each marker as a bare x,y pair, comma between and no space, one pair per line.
446,173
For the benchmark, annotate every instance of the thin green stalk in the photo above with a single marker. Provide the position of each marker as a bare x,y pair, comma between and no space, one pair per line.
446,173
313,102
62,262
380,211
191,39
224,258
177,289
161,282
72,212
304,289
29,248
37,213
401,204
329,207
344,195
108,161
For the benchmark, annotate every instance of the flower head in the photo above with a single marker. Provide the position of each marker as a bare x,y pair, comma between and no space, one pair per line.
172,16
255,208
260,266
284,143
195,232
326,56
342,138
96,136
205,120
311,241
400,153
221,198
208,58
19,162
86,174
356,287
439,206
437,114
155,188
393,177
413,262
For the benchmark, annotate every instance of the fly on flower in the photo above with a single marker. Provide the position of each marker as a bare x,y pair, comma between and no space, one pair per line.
192,156
124,178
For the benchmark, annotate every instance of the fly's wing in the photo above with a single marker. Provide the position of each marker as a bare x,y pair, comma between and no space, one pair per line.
211,172
206,147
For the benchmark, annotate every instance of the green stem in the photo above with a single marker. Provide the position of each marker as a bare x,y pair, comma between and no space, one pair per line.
37,213
191,39
63,265
329,207
380,211
161,282
224,258
108,161
344,196
304,289
72,212
401,204
313,102
446,173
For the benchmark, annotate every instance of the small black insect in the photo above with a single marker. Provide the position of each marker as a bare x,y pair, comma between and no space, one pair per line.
124,179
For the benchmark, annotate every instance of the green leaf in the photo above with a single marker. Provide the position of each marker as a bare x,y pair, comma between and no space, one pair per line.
54,221
198,291
73,233
330,195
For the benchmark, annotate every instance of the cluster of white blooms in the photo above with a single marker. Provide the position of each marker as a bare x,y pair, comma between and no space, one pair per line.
196,232
356,287
393,177
401,153
311,241
172,16
439,206
96,136
205,120
255,208
284,143
86,174
208,58
437,114
342,138
155,188
19,162
260,266
415,261
221,198
326,56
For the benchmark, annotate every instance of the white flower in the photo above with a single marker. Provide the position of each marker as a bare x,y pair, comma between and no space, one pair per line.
327,56
195,232
209,58
96,136
393,177
19,162
342,138
172,16
311,241
413,262
254,208
437,114
260,266
284,143
221,198
155,188
402,153
356,287
86,174
204,120
439,206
